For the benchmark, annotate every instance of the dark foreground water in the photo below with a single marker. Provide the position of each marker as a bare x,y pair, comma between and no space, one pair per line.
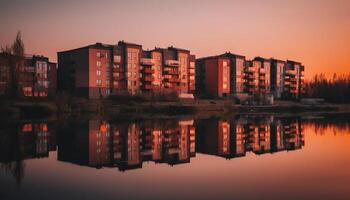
242,157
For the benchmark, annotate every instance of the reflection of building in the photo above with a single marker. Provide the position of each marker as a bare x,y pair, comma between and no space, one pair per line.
128,145
34,140
259,135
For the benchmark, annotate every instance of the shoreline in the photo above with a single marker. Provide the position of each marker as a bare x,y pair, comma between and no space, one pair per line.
196,108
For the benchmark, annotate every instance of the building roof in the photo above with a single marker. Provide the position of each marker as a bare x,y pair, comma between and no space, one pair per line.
261,58
277,60
122,42
226,54
97,45
294,62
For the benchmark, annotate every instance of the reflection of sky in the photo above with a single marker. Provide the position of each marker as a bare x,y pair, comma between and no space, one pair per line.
318,170
315,32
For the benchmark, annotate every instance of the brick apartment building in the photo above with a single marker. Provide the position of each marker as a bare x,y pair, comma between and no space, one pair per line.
261,76
36,77
221,76
99,70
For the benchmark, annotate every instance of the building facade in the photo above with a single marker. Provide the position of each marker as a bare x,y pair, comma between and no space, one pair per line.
220,76
99,70
260,76
35,75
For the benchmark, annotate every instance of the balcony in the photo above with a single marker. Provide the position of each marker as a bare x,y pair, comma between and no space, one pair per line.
148,78
192,71
249,77
192,65
249,69
293,80
148,70
147,61
119,69
171,71
174,63
262,78
172,80
147,87
291,72
118,78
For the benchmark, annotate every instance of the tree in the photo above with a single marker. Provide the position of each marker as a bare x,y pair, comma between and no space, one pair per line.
16,64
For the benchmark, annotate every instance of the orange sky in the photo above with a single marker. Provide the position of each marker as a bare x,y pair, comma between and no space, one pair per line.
315,32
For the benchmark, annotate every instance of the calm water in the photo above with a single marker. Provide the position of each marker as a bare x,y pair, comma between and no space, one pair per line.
242,157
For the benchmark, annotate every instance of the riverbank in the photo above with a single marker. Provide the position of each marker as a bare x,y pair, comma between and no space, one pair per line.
109,108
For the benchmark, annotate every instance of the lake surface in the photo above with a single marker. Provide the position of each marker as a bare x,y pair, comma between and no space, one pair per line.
241,157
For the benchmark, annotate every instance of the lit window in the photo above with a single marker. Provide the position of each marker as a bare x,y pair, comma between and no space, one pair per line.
98,82
98,63
98,72
98,54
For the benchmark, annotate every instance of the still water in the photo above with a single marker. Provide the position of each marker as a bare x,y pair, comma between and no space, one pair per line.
241,157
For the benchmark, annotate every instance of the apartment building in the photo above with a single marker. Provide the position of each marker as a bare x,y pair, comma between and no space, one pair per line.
35,76
277,77
99,70
294,80
264,71
220,76
260,76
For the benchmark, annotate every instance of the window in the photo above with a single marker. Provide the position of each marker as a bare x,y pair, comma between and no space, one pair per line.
192,64
98,72
117,58
158,68
98,54
98,63
98,82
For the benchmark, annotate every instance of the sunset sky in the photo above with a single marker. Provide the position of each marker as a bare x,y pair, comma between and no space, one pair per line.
314,32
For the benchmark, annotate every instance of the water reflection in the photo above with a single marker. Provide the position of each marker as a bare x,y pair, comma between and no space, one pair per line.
126,145
236,137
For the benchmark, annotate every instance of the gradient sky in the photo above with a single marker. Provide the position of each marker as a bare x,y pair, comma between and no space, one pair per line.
315,32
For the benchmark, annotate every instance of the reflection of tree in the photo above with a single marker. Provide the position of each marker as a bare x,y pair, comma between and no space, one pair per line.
10,156
336,124
16,168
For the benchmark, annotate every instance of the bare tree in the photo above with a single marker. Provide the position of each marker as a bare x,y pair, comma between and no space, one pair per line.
16,64
336,89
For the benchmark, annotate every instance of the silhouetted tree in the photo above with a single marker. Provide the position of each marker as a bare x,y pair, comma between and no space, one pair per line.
15,59
335,89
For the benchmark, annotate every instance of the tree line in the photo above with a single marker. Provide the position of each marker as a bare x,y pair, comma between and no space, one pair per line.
334,90
14,57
